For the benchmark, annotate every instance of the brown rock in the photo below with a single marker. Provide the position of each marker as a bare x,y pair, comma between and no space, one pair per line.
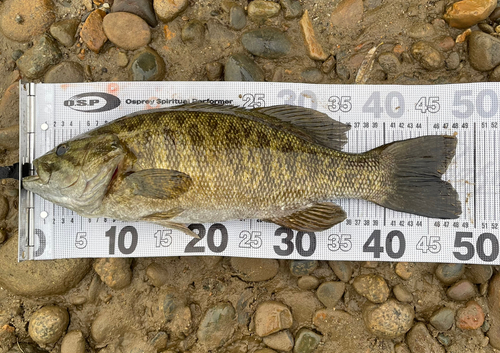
271,317
470,317
373,287
347,13
389,320
115,272
64,72
48,324
467,13
9,112
255,270
420,340
462,290
314,49
404,270
34,17
64,31
445,43
167,10
92,32
263,9
73,342
126,30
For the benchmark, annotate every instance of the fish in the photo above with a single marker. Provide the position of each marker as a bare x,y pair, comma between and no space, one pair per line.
202,163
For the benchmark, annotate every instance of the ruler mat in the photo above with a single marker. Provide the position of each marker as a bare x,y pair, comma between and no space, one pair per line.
52,113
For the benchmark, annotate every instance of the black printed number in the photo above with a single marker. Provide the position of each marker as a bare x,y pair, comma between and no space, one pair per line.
214,229
299,242
127,240
467,248
373,244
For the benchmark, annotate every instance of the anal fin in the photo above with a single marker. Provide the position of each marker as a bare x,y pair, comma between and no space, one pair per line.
318,217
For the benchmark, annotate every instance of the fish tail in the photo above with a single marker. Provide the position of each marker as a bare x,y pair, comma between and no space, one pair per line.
415,168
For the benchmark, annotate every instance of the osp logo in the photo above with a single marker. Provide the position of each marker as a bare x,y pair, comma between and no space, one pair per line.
93,102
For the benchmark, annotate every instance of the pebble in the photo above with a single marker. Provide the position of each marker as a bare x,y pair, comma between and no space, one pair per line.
484,51
126,30
73,342
347,14
495,15
38,278
292,8
92,32
427,55
4,207
157,274
314,49
16,54
444,339
259,10
254,269
121,59
34,17
486,28
48,324
449,273
495,75
147,65
193,31
306,341
342,269
64,31
175,313
281,341
240,67
419,340
106,327
462,290
270,43
237,17
401,348
36,60
470,317
421,30
65,72
389,62
302,267
371,286
493,295
403,269
141,8
311,75
326,68
478,273
402,294
446,43
214,71
442,319
453,61
467,13
167,10
115,272
271,317
329,293
308,282
217,326
388,320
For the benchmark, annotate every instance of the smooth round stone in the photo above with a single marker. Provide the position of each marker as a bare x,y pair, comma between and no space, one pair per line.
446,43
121,59
493,296
217,326
4,207
36,60
389,320
389,62
302,267
73,342
402,294
64,72
141,8
34,17
329,293
308,282
449,273
126,30
64,31
466,13
342,269
484,51
306,341
495,15
470,317
147,65
214,71
157,274
48,324
268,43
478,273
420,340
193,31
237,17
373,287
255,270
462,290
442,319
115,272
106,327
443,339
38,278
292,8
167,10
271,317
259,10
281,341
421,30
240,67
312,75
427,55
453,61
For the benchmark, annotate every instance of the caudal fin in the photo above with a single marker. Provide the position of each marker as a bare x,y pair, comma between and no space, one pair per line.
416,186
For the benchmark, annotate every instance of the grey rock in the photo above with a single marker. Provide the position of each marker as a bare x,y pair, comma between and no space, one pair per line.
388,320
453,61
217,326
255,270
372,4
389,62
214,71
484,51
174,312
244,307
271,317
281,341
419,340
48,324
240,67
475,273
302,267
342,269
237,17
16,54
115,272
268,43
462,290
308,282
427,55
260,10
193,31
486,28
306,341
73,342
147,65
442,319
329,293
371,286
64,72
292,8
36,60
449,273
311,75
141,8
402,294
444,339
65,31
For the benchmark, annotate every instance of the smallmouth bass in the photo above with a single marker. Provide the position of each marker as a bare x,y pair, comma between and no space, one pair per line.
199,163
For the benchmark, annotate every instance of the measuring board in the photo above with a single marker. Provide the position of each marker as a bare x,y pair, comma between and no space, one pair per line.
53,113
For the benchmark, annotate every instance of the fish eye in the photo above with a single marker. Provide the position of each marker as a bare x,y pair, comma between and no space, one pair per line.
61,149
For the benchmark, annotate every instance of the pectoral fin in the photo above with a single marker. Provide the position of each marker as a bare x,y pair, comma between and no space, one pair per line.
162,218
316,218
158,183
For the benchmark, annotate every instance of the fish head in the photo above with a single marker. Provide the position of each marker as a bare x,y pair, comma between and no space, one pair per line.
77,173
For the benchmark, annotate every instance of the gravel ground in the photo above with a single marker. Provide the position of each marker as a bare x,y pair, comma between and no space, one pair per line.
213,304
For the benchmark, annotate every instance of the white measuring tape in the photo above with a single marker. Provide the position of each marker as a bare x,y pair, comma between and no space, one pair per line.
52,113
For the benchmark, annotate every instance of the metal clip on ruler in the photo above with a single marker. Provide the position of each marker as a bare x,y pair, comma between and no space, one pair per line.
377,115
